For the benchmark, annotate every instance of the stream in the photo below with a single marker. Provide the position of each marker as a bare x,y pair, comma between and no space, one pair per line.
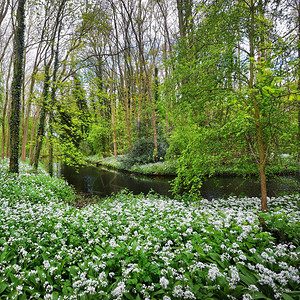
102,182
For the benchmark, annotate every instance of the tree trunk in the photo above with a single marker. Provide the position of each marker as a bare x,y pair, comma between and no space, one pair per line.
112,108
298,86
6,110
4,9
8,127
53,100
180,18
31,153
41,129
22,117
261,148
16,88
127,112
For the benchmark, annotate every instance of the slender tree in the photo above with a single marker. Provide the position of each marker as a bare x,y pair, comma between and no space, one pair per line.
17,87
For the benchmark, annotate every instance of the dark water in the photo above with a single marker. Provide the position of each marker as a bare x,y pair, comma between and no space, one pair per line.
102,182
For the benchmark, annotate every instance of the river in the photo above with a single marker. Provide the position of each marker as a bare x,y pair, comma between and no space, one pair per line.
103,182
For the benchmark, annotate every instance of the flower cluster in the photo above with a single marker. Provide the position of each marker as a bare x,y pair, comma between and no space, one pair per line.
139,246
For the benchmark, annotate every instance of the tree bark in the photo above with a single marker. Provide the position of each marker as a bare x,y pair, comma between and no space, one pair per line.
36,64
261,147
41,129
16,88
6,110
22,117
35,119
4,9
112,108
180,18
53,100
298,86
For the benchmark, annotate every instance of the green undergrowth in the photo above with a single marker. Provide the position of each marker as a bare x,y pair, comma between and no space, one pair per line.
171,167
143,247
159,168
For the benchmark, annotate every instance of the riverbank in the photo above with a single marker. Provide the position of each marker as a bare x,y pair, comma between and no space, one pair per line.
168,168
142,247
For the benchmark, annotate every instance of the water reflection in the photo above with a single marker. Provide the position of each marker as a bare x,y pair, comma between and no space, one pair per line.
103,182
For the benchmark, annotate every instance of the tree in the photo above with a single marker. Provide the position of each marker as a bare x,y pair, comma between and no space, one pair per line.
224,121
17,86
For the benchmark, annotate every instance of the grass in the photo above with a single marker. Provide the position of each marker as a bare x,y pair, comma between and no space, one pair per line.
143,247
283,165
159,168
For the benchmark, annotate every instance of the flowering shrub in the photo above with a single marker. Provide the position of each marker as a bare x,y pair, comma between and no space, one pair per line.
140,247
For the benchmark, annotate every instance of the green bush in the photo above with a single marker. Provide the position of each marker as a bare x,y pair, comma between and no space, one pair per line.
143,152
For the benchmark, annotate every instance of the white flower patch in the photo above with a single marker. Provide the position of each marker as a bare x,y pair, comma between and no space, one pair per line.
164,282
214,272
127,240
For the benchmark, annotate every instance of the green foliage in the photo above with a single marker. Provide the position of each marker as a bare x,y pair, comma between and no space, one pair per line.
208,150
215,128
140,246
36,186
98,136
142,152
279,224
72,120
159,168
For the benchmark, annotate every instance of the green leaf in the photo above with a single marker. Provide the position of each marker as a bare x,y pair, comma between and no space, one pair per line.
286,297
248,280
55,295
259,295
129,296
3,286
159,292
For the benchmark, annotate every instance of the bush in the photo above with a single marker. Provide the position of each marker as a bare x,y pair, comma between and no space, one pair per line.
143,152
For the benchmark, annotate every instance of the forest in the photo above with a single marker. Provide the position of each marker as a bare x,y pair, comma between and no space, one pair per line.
197,88
212,84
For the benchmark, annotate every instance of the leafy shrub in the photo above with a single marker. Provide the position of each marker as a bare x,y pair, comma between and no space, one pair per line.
98,138
143,152
282,228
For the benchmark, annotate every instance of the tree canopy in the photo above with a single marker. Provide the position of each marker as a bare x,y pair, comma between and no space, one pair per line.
219,80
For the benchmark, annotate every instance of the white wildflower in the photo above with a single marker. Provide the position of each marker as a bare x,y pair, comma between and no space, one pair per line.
164,282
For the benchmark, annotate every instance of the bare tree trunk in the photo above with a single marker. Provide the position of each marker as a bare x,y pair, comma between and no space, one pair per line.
298,86
26,122
6,46
8,127
180,18
41,129
4,9
16,88
22,117
127,112
112,108
3,124
6,110
139,83
33,132
53,100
